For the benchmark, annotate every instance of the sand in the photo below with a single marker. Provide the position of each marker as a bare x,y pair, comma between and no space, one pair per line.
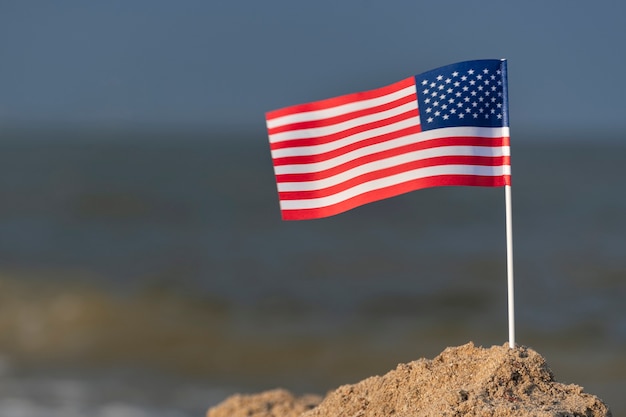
461,381
275,403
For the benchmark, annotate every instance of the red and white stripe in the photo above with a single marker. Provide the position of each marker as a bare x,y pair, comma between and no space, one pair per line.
333,155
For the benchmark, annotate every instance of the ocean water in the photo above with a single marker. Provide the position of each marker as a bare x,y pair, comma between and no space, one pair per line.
149,274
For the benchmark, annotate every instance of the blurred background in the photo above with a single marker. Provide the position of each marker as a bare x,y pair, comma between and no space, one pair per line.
144,268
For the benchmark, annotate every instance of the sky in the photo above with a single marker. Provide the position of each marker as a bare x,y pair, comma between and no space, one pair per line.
223,64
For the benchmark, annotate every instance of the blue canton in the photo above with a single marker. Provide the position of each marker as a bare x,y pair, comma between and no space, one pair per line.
471,93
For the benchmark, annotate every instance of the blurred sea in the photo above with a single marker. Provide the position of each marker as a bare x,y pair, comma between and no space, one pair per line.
150,274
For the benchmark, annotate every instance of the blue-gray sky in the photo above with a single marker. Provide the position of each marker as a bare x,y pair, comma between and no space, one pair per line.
225,63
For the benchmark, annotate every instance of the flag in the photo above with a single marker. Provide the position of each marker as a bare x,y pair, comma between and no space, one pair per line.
445,127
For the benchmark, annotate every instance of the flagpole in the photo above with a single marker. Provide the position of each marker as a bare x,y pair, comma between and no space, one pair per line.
509,265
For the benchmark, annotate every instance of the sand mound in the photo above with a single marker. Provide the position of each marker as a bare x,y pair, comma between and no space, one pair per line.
461,381
275,403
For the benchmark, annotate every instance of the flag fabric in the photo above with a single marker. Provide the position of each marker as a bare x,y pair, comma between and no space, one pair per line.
445,127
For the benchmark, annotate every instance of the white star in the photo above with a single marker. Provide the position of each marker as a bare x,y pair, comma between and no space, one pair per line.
427,100
498,72
459,105
499,116
486,82
458,94
425,91
479,77
475,116
464,78
480,99
473,93
493,77
455,74
436,103
486,71
452,111
493,111
451,100
480,88
472,82
466,99
442,97
432,85
470,72
465,88
457,84
434,94
461,115
445,117
474,104
439,77
449,90
499,105
430,120
437,113
428,110
424,82
468,110
448,80
444,106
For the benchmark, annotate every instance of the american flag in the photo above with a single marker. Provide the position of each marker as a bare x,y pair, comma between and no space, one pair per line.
448,126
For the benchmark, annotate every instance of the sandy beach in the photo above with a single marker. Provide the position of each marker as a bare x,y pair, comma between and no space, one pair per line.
461,381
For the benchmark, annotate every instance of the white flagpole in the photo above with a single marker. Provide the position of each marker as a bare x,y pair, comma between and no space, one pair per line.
509,265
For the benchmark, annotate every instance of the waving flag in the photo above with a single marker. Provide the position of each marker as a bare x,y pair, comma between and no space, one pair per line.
448,126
